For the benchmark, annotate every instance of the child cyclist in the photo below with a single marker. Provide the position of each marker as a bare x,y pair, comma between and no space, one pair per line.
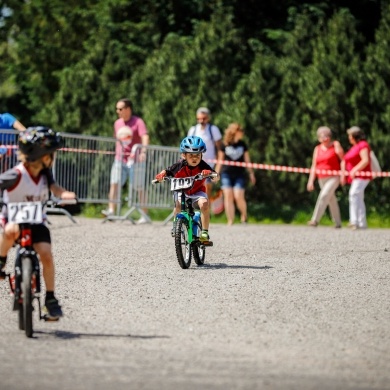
31,180
191,164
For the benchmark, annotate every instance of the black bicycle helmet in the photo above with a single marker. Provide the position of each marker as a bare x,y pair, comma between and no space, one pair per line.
37,141
192,144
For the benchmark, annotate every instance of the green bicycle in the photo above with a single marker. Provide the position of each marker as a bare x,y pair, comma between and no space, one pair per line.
188,224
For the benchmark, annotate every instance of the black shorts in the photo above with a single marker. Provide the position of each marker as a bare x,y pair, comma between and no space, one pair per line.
40,233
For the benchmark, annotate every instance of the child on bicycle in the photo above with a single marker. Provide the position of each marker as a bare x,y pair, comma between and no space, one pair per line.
32,180
191,164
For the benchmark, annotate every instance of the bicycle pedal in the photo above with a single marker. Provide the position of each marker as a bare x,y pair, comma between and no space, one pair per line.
50,319
207,243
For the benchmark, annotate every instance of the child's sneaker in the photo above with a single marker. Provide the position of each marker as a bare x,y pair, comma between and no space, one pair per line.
52,309
204,236
107,213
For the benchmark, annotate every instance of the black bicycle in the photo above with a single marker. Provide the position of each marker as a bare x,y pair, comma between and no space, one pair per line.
25,283
188,224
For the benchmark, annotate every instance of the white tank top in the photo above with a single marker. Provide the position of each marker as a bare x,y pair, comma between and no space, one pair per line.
27,189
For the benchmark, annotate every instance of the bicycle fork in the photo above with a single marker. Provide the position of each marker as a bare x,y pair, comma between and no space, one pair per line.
188,222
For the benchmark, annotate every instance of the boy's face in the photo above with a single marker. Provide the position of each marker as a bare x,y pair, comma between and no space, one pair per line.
193,159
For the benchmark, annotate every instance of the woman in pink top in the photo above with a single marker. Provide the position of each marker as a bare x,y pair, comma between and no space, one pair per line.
356,160
326,157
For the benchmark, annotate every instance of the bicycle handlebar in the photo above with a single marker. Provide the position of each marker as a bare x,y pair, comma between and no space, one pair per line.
61,202
52,202
199,176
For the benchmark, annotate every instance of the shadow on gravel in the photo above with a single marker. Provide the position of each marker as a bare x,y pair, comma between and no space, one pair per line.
64,335
223,265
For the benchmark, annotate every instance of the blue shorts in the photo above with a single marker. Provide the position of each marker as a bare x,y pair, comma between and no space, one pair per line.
120,173
228,181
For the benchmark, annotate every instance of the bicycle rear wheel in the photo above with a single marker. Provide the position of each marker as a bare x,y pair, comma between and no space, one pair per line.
27,307
182,246
198,250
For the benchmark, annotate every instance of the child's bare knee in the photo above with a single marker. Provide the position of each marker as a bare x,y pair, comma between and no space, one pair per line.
11,230
204,206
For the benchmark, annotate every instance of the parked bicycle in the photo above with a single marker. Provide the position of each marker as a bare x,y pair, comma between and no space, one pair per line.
25,282
188,226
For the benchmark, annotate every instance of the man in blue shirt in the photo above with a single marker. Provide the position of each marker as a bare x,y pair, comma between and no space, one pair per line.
8,122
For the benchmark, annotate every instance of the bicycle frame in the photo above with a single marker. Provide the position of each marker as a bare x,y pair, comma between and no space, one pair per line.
187,216
25,250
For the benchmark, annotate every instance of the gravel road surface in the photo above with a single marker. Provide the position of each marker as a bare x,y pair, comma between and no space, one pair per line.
274,307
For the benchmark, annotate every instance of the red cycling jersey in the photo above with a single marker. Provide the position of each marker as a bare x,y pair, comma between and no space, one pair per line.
182,169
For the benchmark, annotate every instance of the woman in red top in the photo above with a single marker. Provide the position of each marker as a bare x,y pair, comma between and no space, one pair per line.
356,160
326,157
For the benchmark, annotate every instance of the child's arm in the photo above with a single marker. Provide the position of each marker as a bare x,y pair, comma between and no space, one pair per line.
9,179
170,171
61,192
206,170
160,176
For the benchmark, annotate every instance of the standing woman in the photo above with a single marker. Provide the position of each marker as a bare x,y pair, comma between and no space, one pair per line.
233,178
326,156
357,159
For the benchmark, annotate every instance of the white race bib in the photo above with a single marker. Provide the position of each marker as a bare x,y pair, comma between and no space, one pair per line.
25,212
181,183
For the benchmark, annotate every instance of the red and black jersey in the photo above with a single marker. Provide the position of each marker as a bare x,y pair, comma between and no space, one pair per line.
182,169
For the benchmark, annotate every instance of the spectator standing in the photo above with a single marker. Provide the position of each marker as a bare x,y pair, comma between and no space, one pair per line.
233,178
356,160
8,122
326,156
124,165
211,136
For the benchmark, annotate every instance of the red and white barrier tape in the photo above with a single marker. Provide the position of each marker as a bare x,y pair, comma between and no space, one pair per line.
267,167
281,168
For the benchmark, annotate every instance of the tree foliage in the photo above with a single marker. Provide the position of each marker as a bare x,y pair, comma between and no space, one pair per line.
280,68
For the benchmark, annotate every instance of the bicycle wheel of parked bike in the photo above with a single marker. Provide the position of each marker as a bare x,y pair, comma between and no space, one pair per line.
199,252
182,246
27,295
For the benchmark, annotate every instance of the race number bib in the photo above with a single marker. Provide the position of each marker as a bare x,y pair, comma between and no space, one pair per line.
181,183
25,212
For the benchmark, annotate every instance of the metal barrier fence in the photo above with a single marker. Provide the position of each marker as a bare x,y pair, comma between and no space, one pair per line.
84,165
142,194
8,148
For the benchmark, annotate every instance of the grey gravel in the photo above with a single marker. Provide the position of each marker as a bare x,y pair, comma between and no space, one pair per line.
274,307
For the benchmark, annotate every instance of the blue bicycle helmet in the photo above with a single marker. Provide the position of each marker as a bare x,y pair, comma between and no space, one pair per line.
192,144
37,141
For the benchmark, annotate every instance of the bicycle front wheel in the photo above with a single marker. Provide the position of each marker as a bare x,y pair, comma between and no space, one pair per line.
27,295
182,246
199,252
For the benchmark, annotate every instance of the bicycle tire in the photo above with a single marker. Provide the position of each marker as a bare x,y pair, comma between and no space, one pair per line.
27,295
182,246
21,317
199,252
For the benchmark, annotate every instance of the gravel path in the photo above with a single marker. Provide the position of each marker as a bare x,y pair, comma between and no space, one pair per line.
274,307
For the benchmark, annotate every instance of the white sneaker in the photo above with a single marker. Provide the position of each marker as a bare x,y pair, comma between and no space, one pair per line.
142,220
107,212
